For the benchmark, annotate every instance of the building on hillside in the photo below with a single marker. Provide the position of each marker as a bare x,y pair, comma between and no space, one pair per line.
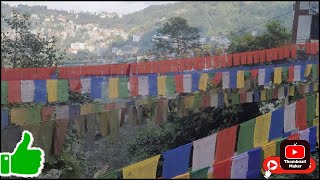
135,38
306,22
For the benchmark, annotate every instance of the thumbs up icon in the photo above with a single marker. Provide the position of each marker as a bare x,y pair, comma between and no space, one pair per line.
24,161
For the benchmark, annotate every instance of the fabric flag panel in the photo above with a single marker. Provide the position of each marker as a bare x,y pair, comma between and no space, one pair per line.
261,130
261,77
113,87
161,85
222,169
75,85
27,89
170,84
179,83
203,152
233,78
277,77
14,92
269,149
63,90
40,91
176,161
239,166
225,80
297,73
254,163
240,79
86,85
4,92
187,83
301,114
123,87
195,78
152,81
146,169
4,118
245,137
313,138
311,107
143,85
203,81
226,150
276,127
18,116
52,90
200,174
133,86
96,87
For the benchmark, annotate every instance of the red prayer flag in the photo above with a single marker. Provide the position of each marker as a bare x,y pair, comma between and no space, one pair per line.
286,52
262,55
254,73
256,57
45,73
249,57
141,68
269,55
126,69
147,67
222,170
290,73
4,74
179,83
14,74
188,64
175,65
294,136
205,101
133,86
46,113
105,69
301,114
314,49
281,53
226,150
236,59
155,67
195,63
243,98
14,92
216,63
223,60
243,58
217,78
208,62
133,68
229,60
75,85
201,63
274,54
293,50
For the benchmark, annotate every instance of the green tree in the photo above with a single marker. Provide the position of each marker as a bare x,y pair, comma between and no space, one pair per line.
274,36
180,36
21,48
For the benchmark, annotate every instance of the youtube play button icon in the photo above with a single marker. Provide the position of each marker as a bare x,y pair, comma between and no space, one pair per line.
294,152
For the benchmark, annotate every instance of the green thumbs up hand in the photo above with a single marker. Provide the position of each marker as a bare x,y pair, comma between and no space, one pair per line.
25,161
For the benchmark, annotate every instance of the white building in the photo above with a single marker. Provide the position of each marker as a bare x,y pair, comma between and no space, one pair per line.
136,38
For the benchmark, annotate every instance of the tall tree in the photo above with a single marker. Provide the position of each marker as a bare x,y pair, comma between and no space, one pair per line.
176,36
21,48
275,35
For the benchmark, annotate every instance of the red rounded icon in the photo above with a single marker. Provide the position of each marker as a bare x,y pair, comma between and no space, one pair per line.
295,152
273,165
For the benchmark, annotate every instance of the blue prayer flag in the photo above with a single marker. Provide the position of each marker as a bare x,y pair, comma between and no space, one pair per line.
195,81
40,91
96,87
4,118
153,84
277,125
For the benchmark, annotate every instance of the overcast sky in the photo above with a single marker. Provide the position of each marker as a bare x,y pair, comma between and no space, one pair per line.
122,7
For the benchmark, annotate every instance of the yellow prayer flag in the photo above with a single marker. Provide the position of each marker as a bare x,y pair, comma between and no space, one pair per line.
315,87
146,169
317,105
225,99
203,81
277,77
240,79
263,95
162,85
113,87
261,130
19,116
183,176
86,109
270,149
315,121
188,102
308,70
52,90
291,90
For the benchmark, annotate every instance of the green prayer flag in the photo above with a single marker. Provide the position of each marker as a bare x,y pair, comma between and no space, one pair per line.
103,121
63,90
284,73
98,108
311,107
114,124
210,75
246,74
35,131
200,174
113,175
180,108
104,90
246,134
314,71
235,98
278,142
269,94
170,85
197,101
123,87
33,115
4,92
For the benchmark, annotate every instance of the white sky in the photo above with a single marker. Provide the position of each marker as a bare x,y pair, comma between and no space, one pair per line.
120,7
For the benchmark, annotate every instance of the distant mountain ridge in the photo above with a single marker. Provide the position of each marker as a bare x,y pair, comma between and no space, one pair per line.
213,18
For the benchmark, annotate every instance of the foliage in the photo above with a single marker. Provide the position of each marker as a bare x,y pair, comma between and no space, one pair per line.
24,49
181,36
274,36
